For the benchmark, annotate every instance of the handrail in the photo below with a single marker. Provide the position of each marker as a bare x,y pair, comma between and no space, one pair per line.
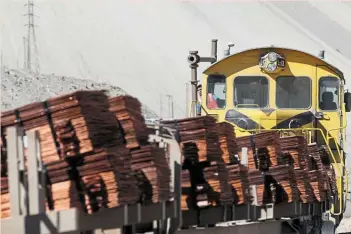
256,105
329,149
339,152
342,163
339,128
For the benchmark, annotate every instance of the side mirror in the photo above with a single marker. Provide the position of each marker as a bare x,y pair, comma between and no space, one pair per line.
347,100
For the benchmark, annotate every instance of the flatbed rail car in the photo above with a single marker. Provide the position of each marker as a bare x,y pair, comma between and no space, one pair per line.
27,199
28,208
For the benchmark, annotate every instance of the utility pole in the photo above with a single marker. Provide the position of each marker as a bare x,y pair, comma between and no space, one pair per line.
172,109
1,64
160,106
170,106
31,39
187,99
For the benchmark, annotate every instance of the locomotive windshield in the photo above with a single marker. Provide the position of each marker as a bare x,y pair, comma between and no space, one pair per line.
293,92
328,93
251,92
216,92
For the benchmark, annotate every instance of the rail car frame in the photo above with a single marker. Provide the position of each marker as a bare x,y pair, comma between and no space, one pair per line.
28,207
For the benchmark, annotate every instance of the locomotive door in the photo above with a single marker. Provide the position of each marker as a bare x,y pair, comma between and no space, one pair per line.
328,103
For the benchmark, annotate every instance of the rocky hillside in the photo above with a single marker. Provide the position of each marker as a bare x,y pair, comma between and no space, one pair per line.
19,88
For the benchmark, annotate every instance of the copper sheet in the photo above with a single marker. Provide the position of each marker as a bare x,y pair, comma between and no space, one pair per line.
201,134
227,142
127,110
268,149
87,111
153,173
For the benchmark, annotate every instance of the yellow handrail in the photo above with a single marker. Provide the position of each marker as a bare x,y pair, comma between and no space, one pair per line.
342,163
339,152
329,149
337,129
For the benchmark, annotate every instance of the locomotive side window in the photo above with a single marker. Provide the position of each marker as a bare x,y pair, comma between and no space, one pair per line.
216,87
328,93
250,92
293,92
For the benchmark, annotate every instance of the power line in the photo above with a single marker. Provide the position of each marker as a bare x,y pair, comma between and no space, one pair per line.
32,48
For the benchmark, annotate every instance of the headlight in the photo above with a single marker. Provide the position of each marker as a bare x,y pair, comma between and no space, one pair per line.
263,62
271,67
272,57
272,62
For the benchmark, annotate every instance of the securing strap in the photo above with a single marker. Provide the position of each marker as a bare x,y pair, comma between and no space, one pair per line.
252,141
18,118
123,135
177,134
3,138
74,175
51,124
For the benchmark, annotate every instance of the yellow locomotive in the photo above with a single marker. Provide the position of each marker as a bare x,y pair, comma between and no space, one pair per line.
278,89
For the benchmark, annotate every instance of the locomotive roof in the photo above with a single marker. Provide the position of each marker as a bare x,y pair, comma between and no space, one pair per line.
340,73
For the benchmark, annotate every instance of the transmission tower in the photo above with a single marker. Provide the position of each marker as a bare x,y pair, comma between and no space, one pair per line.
31,57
